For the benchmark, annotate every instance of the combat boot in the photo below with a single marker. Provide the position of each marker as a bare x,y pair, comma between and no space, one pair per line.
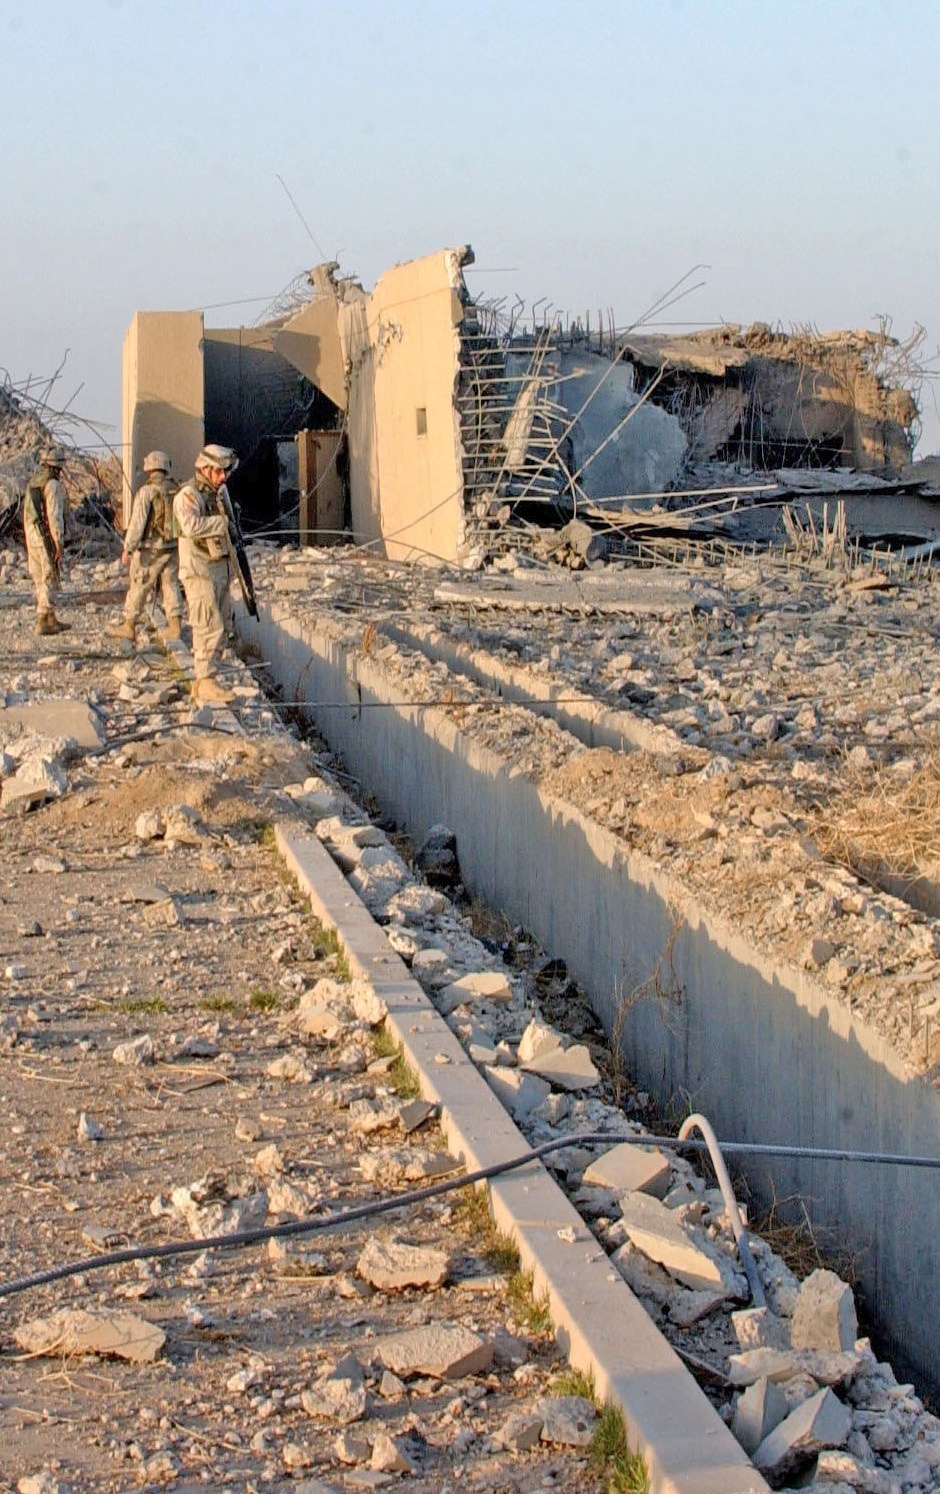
122,630
209,692
173,632
47,623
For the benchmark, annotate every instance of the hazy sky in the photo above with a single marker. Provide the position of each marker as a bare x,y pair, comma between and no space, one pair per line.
591,152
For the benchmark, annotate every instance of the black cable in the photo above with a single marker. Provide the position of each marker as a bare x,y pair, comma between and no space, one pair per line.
435,1190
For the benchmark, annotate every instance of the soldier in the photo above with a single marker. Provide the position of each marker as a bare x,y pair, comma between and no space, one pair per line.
204,517
44,508
150,549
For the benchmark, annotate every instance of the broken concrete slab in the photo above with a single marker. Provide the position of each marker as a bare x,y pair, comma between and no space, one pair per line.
481,985
340,1396
394,1266
761,1408
72,1331
446,1351
520,1432
566,1068
820,1422
53,718
631,1169
663,1237
825,1316
784,1364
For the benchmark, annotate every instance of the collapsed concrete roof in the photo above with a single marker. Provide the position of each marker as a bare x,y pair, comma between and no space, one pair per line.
455,418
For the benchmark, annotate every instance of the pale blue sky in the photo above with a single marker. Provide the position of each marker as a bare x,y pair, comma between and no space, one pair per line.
596,150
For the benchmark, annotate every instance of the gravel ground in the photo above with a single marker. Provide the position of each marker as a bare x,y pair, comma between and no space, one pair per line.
148,902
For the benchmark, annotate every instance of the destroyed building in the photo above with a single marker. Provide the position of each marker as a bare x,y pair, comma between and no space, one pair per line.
423,422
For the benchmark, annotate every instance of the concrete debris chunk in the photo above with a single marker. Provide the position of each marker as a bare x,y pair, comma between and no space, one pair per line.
759,1328
760,1408
413,1114
566,1068
481,985
40,1483
567,1419
291,1068
366,1005
520,1093
389,1455
415,904
88,1129
783,1364
149,825
820,1422
72,1331
520,1432
137,1051
340,1396
656,1230
631,1169
352,1447
835,1467
537,1040
825,1316
36,781
209,1209
403,1165
446,1351
49,865
368,1116
393,1266
288,1200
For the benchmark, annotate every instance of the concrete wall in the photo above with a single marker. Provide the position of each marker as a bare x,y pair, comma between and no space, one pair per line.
402,346
766,1053
251,390
162,369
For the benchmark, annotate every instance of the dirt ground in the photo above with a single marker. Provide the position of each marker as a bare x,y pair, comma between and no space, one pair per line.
200,943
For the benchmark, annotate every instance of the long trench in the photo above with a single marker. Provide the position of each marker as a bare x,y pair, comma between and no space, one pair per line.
761,1048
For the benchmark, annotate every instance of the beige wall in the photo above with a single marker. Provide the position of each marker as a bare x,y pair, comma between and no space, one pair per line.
402,345
163,406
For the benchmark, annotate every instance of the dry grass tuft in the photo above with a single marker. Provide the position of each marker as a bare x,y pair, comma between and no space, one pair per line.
885,823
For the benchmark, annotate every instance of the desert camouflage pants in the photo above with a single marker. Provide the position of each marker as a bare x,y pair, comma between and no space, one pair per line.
209,603
43,576
149,570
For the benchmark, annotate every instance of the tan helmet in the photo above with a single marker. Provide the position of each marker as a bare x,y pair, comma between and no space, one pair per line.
217,456
50,457
156,461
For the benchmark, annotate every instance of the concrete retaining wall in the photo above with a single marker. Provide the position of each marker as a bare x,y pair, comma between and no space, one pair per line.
766,1053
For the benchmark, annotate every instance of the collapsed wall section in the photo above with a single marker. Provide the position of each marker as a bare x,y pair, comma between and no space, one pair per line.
164,394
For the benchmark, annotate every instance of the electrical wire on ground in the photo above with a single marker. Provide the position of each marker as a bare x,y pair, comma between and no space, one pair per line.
388,1205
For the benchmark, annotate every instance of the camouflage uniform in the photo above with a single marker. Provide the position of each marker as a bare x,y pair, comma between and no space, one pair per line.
151,547
202,516
44,515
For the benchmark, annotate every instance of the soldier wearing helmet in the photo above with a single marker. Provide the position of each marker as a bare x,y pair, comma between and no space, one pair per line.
44,506
203,514
150,552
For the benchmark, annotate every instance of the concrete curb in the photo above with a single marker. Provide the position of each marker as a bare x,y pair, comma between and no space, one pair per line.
599,1323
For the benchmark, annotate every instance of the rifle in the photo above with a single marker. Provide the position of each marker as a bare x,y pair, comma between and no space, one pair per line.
236,545
35,499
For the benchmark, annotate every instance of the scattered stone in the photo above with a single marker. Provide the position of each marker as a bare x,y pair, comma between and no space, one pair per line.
35,782
49,865
149,825
393,1266
446,1351
366,1005
568,1419
566,1068
138,1051
88,1129
520,1432
389,1455
783,1364
340,1396
72,1331
291,1068
368,1116
759,1328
